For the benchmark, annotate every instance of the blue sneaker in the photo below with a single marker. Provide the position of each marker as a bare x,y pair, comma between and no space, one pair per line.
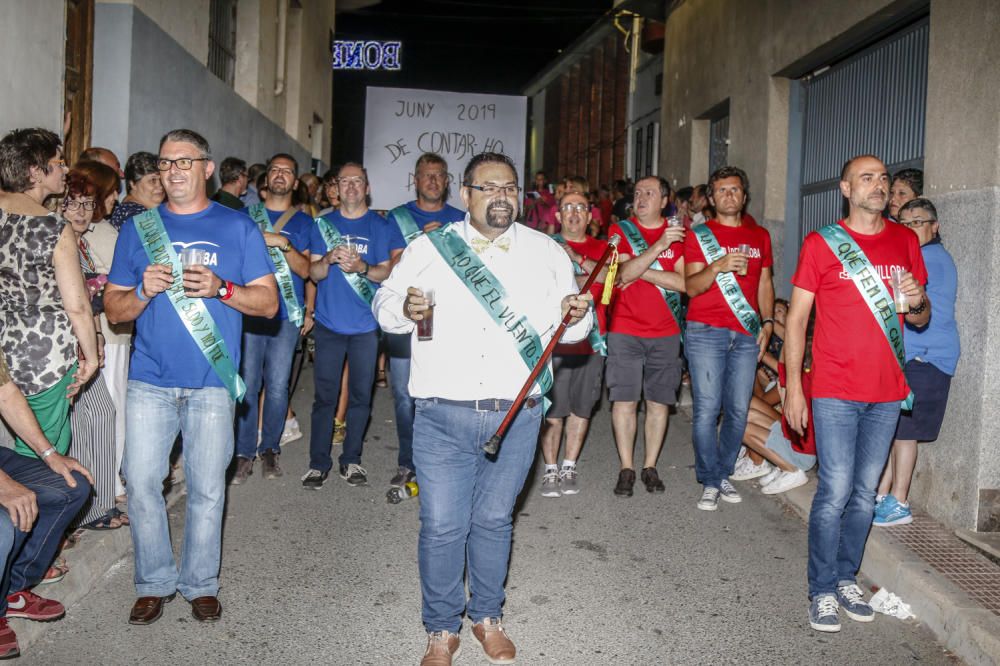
852,600
823,613
892,512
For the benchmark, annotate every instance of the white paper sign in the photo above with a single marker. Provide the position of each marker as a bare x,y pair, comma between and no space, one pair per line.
403,123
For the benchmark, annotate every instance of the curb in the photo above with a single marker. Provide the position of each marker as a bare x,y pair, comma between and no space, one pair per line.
97,553
960,623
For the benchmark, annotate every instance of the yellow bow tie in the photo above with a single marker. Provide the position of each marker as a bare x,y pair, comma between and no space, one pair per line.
480,244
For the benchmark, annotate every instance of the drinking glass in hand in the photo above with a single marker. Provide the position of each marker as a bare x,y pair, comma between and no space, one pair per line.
898,297
191,256
425,327
744,249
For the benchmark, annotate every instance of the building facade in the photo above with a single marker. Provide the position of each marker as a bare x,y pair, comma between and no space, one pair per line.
790,90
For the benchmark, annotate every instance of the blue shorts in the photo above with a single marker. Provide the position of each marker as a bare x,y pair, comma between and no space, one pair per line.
930,389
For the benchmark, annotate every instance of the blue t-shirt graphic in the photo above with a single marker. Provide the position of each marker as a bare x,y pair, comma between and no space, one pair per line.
165,355
338,307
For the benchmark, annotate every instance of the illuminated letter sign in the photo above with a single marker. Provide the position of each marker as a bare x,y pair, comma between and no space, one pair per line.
369,55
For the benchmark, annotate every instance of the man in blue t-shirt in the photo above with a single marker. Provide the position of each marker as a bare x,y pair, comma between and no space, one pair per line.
269,344
428,212
181,381
350,249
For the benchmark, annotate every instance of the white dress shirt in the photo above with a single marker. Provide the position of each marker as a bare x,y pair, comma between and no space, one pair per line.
471,356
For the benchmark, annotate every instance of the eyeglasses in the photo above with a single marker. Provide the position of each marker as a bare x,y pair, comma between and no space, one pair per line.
579,207
916,222
355,180
491,190
72,204
183,163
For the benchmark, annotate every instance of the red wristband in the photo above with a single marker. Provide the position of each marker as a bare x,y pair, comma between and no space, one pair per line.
230,290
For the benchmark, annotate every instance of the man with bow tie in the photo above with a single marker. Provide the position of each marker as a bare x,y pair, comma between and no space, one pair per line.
500,291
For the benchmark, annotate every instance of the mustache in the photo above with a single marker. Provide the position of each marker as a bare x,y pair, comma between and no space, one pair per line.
500,206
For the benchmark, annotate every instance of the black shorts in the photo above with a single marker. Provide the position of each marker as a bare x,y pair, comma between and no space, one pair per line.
647,368
576,385
930,389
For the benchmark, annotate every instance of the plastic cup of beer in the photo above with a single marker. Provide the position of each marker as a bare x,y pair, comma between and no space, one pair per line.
744,249
425,327
192,256
898,297
351,244
674,221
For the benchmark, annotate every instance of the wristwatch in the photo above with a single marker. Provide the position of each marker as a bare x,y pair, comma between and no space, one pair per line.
225,291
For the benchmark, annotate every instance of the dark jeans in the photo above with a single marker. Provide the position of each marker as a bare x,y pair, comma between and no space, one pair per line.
399,369
360,351
34,551
268,350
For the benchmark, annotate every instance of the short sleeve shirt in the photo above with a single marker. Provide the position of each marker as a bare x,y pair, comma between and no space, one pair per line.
593,249
297,230
640,308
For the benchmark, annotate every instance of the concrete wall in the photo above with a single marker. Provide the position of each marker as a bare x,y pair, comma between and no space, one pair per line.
145,83
768,43
32,50
309,76
186,21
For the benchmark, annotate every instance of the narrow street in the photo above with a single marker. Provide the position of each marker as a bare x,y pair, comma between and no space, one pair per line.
330,577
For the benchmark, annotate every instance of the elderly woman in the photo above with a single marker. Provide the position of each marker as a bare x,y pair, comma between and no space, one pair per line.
143,188
45,313
91,190
931,358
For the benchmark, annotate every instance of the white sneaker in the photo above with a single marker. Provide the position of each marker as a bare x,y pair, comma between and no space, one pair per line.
742,463
291,432
750,471
786,481
770,476
727,493
709,499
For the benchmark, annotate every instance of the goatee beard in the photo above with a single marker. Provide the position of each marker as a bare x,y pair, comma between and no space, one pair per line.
496,221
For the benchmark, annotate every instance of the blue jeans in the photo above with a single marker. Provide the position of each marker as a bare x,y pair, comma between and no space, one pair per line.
466,501
852,445
31,553
205,419
360,351
722,364
399,370
268,350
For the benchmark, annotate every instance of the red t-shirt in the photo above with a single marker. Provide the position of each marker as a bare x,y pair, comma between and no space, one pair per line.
640,309
851,357
711,307
590,248
800,443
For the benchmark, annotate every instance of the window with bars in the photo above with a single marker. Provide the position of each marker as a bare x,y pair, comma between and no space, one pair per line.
222,39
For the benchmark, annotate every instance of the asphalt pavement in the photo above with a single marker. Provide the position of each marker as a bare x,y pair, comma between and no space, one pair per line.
330,576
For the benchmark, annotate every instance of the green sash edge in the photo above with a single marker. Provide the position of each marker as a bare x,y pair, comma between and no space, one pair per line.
490,293
728,285
598,342
192,311
361,286
672,298
878,299
407,225
283,271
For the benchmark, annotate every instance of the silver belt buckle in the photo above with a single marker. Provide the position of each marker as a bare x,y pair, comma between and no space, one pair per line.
495,408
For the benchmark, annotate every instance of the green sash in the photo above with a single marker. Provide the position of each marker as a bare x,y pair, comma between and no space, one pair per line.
598,342
639,244
873,291
192,311
730,288
490,293
282,271
360,284
407,225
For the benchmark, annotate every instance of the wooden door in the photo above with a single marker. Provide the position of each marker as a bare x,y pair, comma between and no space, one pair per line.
79,76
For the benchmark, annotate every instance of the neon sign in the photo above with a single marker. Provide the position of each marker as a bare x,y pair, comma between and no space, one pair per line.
369,55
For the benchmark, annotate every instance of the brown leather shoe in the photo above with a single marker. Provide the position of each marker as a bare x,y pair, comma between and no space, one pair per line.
443,648
499,649
147,610
206,609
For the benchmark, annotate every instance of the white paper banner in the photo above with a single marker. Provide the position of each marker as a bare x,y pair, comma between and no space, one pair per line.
403,123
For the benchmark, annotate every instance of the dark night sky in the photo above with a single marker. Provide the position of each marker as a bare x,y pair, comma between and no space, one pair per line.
467,46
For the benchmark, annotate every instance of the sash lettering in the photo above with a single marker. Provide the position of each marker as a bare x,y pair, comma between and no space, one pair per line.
672,298
728,285
283,272
360,284
598,342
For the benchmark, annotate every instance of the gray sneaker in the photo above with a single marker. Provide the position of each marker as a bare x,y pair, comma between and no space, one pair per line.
823,613
403,476
244,468
568,482
709,499
550,485
852,600
727,493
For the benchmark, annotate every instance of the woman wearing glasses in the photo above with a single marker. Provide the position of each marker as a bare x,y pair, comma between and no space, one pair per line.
43,302
91,189
931,358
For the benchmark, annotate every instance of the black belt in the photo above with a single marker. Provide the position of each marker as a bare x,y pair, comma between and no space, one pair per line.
486,404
